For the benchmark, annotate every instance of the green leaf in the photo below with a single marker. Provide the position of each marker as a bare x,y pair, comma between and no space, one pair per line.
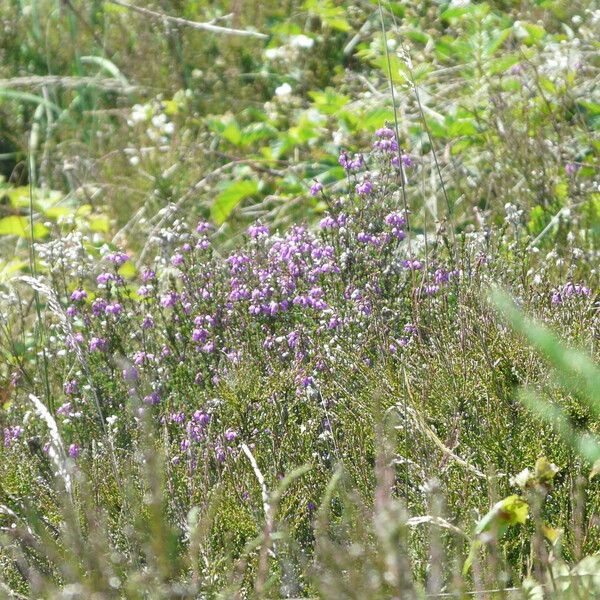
329,102
230,197
19,226
99,223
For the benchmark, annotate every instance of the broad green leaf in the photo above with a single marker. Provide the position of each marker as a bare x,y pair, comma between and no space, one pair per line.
230,197
512,510
19,226
329,102
99,223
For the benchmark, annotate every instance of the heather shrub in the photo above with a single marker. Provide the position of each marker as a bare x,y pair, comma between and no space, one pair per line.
277,288
221,365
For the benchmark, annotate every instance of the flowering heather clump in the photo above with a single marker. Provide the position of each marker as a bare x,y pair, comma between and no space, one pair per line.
305,299
279,346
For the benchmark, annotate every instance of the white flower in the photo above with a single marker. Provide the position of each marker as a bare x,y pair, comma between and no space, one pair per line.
285,89
301,41
273,53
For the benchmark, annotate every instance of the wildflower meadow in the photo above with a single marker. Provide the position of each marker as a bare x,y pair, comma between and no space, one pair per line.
299,300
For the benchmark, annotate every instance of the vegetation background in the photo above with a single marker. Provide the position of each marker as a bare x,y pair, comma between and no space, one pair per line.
466,461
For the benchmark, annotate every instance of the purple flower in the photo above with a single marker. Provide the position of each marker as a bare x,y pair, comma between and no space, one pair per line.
104,278
64,409
169,300
257,230
395,219
571,169
177,260
201,417
351,164
11,434
148,275
406,161
199,335
78,295
71,387
117,258
113,309
178,417
148,322
230,435
99,344
130,374
328,222
220,454
153,398
364,188
385,132
74,450
413,265
315,188
569,290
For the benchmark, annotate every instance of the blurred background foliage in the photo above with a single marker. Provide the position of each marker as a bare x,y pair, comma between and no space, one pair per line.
113,115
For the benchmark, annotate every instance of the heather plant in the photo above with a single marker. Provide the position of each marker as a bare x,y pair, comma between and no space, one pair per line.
226,366
246,337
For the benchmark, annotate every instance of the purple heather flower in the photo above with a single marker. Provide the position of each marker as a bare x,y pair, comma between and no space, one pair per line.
74,450
351,164
104,278
328,222
130,374
98,306
70,387
78,295
201,417
71,311
178,417
113,309
11,434
413,265
203,226
406,161
169,299
199,335
153,398
569,290
208,347
571,169
148,275
230,435
315,188
257,230
64,409
220,454
99,344
364,188
202,244
148,322
334,322
177,260
117,258
385,132
395,219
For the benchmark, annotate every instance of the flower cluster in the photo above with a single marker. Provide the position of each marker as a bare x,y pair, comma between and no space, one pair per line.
299,304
